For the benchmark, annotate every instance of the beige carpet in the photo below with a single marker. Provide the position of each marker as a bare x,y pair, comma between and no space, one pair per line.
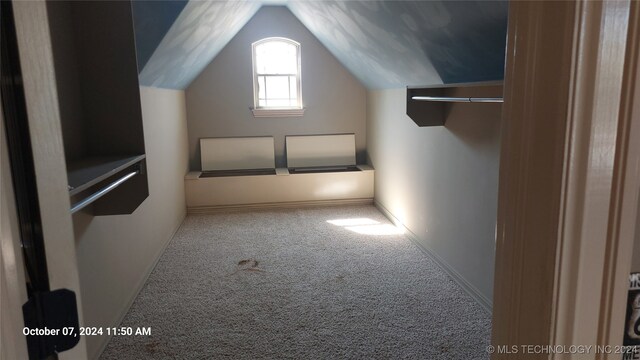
323,283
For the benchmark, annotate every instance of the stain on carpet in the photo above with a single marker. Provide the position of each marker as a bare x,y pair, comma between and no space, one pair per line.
250,265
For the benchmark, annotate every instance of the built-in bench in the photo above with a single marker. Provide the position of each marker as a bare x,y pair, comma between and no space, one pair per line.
240,172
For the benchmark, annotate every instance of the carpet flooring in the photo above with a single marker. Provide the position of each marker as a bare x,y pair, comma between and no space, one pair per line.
319,283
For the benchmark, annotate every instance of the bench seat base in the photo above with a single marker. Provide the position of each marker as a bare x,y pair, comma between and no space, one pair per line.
281,189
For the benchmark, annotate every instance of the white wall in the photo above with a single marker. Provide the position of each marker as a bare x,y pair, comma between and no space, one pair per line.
218,100
116,253
440,182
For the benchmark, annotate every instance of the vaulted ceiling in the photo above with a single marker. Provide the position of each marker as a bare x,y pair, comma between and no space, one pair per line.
385,44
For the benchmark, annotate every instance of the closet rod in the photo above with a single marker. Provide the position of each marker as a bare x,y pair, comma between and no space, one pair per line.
459,99
102,192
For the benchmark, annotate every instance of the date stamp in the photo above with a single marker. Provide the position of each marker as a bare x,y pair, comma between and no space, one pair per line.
88,331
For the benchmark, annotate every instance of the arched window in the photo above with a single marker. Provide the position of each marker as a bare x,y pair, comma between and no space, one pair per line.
276,76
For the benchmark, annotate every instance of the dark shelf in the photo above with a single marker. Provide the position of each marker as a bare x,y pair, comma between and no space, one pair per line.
88,172
94,56
427,113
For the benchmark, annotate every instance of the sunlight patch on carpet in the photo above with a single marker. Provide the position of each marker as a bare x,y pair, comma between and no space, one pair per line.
353,222
366,226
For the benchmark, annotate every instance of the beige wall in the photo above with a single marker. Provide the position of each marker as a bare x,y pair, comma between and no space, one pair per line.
218,100
116,253
440,182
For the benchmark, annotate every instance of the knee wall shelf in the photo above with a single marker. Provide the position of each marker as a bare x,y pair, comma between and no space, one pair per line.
430,105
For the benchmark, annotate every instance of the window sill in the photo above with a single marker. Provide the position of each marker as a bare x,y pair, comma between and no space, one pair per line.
277,112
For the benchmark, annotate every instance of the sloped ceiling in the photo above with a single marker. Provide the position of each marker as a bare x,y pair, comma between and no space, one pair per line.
198,34
391,44
153,20
385,44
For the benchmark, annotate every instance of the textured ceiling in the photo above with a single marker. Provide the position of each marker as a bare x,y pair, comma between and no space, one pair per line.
385,44
153,20
198,34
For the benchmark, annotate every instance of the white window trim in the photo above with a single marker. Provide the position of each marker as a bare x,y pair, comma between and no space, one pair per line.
294,111
273,112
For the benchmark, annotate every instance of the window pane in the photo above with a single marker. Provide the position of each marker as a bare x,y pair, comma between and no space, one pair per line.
261,88
278,103
276,57
293,90
277,87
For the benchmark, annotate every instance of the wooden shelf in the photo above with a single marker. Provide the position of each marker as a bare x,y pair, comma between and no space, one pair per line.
425,113
94,55
88,172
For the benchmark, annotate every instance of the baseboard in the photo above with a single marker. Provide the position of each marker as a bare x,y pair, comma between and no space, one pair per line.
278,205
139,287
456,276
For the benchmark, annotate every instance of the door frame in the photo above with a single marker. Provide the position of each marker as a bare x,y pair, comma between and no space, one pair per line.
13,290
41,97
569,175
